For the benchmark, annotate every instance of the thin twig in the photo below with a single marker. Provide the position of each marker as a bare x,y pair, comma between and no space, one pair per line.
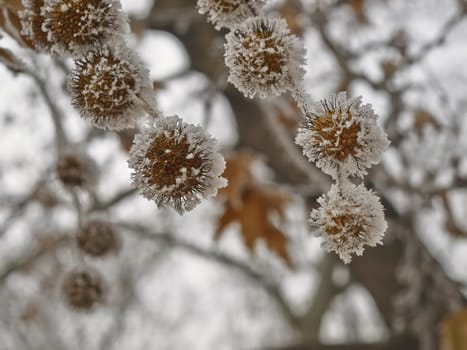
61,139
257,278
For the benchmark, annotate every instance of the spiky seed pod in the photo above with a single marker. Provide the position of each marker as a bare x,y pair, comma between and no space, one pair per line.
83,289
349,218
342,136
264,58
229,13
74,27
76,168
111,88
97,238
31,24
176,164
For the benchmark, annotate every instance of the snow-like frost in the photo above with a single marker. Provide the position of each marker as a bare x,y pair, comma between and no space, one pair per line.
264,58
73,27
349,218
111,88
342,136
182,177
229,13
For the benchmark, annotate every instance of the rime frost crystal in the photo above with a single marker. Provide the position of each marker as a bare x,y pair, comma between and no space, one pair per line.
176,164
229,13
349,219
111,88
342,136
75,168
264,58
31,24
74,27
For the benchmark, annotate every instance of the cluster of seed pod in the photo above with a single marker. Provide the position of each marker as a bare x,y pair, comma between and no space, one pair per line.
174,163
83,288
340,135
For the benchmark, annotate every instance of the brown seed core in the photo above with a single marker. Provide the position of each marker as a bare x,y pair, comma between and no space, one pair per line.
227,6
340,142
345,222
271,57
102,86
169,155
77,21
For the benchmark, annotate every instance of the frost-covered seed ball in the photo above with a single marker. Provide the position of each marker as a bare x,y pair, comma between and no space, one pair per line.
74,27
176,164
349,218
97,238
111,88
264,58
342,136
83,289
229,13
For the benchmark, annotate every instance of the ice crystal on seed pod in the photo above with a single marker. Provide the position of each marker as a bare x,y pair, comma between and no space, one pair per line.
83,289
342,136
349,218
31,24
111,88
264,58
176,164
97,238
229,13
76,168
73,27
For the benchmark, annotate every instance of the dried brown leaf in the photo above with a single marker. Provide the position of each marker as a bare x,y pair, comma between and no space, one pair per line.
239,176
423,118
454,331
258,204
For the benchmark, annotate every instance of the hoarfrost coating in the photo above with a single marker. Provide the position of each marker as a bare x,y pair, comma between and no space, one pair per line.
349,218
176,164
111,88
74,27
264,58
342,136
229,13
31,24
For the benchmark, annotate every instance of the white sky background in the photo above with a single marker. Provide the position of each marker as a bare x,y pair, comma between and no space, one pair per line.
218,311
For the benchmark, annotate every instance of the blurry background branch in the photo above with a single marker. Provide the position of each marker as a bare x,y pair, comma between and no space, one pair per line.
412,288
